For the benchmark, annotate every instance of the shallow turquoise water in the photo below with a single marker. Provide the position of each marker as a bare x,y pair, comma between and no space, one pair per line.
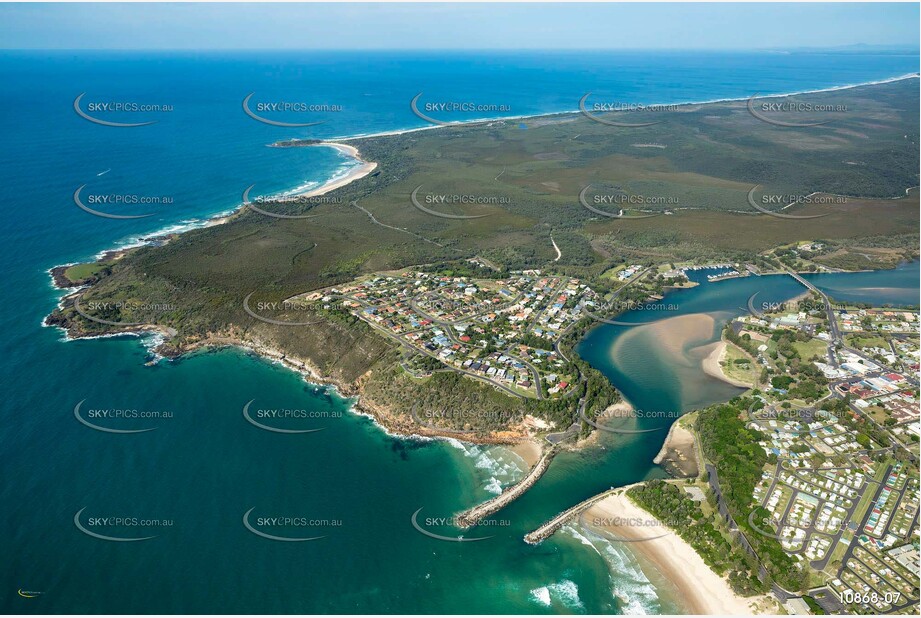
205,466
652,380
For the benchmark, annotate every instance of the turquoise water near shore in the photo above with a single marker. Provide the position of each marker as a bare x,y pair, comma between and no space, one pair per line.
205,466
635,357
653,379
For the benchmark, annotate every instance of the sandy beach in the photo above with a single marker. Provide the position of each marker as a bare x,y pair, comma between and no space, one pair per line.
702,590
565,115
621,409
712,367
675,335
359,171
166,235
679,452
528,450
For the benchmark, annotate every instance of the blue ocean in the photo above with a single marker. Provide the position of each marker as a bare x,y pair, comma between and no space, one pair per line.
198,472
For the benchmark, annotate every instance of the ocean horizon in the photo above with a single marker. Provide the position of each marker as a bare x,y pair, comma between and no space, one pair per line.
203,468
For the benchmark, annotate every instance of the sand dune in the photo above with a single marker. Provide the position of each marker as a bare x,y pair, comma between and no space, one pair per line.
674,336
712,367
703,591
681,347
359,171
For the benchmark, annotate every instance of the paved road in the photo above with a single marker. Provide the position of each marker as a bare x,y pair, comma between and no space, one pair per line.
836,343
869,419
832,320
782,594
449,330
863,522
572,430
414,303
550,295
400,341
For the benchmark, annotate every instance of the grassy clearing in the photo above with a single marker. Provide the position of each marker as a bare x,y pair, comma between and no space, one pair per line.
739,366
813,347
79,272
866,341
529,183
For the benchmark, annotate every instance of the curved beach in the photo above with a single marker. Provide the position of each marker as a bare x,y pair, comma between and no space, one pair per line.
701,590
712,364
359,171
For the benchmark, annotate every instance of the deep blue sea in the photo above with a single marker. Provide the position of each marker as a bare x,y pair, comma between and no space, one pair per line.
203,466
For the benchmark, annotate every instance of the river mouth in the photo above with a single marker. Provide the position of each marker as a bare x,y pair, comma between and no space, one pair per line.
660,364
668,355
656,357
204,467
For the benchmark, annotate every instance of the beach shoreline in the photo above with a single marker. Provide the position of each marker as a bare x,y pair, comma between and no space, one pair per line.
529,450
711,365
366,167
708,598
700,589
164,235
678,454
355,173
888,80
521,442
361,170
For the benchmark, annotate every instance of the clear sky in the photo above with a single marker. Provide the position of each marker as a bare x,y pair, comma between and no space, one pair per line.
457,26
